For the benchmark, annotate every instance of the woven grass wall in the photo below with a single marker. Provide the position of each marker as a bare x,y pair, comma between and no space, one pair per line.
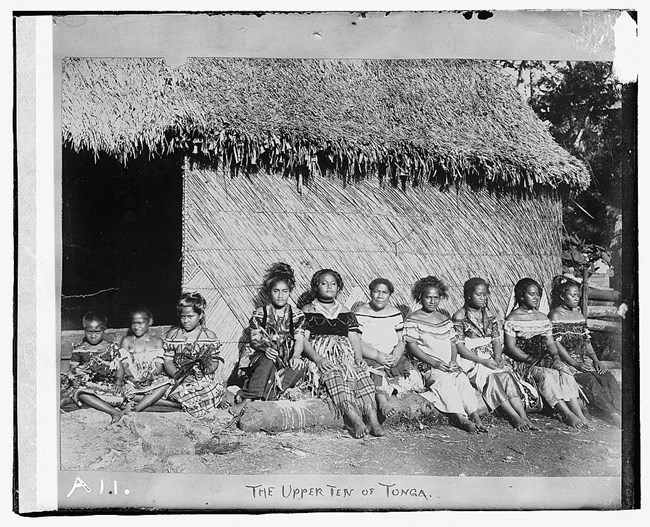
234,228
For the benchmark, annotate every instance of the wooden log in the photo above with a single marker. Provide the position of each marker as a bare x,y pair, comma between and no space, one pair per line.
280,416
600,303
603,312
606,326
603,294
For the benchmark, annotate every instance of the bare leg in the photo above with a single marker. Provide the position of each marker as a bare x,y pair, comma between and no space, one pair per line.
238,408
95,402
386,409
574,406
616,418
227,400
518,406
359,429
570,418
460,421
150,398
373,423
513,417
476,419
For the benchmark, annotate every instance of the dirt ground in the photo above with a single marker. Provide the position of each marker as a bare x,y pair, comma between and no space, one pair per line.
174,442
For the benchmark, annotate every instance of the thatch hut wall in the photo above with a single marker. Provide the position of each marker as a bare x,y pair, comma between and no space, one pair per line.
234,228
364,166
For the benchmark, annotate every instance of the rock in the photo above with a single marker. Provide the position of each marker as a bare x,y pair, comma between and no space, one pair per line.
186,464
159,436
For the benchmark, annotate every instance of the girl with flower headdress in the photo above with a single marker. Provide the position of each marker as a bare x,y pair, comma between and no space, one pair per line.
276,338
191,358
574,344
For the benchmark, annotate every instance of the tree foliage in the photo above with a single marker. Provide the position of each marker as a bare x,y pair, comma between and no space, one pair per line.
581,102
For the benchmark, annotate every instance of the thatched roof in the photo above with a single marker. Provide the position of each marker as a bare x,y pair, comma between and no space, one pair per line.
420,120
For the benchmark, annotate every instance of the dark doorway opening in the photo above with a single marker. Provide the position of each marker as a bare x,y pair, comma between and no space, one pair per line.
122,237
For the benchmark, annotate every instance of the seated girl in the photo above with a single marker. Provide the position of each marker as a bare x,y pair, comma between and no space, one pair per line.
382,346
574,344
277,336
479,347
93,367
531,347
191,355
332,344
431,340
141,375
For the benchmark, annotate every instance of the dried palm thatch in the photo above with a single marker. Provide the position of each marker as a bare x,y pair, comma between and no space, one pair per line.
235,228
415,121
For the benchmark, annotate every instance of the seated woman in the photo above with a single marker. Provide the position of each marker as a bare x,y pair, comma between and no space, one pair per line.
574,344
333,345
530,345
479,347
431,339
277,334
383,348
191,358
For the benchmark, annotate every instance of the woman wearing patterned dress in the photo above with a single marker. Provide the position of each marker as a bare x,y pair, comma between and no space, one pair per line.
430,338
574,344
333,345
479,347
529,343
277,335
191,355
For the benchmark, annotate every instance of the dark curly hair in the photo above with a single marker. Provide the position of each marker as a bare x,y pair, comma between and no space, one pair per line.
94,316
560,286
142,310
319,274
195,301
425,283
470,286
522,285
385,281
279,272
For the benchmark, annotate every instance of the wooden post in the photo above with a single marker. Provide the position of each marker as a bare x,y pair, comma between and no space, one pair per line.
585,292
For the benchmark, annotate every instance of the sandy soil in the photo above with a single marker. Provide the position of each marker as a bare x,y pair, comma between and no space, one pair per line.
174,442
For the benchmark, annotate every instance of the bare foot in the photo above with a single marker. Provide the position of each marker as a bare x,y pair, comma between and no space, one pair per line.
375,428
587,424
574,421
116,417
465,424
386,409
477,421
227,400
615,417
521,425
531,426
359,429
239,408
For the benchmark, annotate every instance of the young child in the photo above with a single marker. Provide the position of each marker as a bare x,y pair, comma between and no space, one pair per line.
140,374
574,345
191,358
93,367
277,336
